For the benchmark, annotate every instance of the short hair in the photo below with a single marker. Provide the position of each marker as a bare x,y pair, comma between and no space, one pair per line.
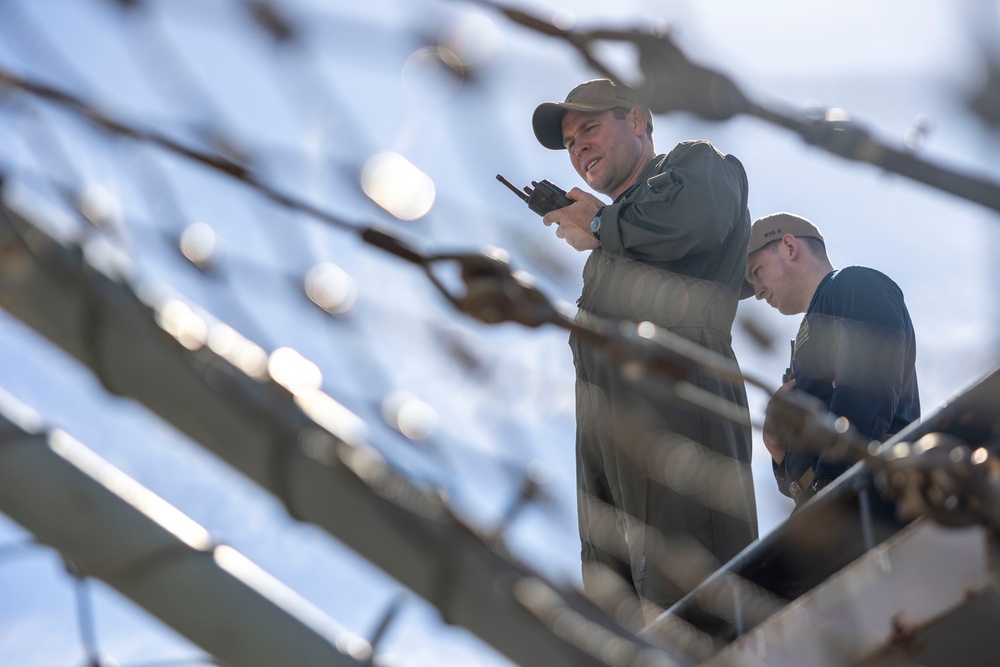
816,247
621,112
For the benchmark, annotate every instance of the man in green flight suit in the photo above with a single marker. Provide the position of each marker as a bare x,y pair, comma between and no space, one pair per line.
669,249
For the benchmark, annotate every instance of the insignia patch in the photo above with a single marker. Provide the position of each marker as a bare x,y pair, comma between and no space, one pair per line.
802,336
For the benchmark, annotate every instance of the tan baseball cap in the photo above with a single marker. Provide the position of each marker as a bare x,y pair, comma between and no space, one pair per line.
592,96
771,228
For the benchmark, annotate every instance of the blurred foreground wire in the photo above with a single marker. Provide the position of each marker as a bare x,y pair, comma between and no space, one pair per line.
241,386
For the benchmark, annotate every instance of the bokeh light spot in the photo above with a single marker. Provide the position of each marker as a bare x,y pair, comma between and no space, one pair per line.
474,38
432,74
293,371
198,243
395,184
177,319
99,205
409,415
240,352
836,115
564,19
646,330
331,288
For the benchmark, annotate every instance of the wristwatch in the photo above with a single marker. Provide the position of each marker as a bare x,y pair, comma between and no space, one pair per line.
595,224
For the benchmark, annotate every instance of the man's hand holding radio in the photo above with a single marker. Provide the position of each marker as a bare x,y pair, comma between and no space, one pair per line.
579,223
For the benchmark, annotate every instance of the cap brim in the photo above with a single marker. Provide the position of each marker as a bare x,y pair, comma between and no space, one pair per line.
747,290
548,117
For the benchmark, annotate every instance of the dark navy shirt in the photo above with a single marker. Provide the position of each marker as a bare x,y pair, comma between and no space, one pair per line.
855,351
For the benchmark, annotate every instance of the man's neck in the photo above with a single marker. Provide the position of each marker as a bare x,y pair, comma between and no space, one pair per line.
648,153
811,280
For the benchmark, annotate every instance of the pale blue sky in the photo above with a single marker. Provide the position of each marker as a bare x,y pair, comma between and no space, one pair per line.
503,395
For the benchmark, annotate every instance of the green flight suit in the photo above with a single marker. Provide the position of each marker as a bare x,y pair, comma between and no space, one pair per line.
673,252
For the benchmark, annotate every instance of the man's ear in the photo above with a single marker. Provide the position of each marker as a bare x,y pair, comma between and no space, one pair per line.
638,119
790,246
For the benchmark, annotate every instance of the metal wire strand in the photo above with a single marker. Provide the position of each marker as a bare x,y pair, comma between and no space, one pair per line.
672,82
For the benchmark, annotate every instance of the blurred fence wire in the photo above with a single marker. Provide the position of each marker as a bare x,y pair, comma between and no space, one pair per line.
109,178
112,325
670,82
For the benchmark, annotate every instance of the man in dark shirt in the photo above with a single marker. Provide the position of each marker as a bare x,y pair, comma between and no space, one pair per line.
854,351
669,249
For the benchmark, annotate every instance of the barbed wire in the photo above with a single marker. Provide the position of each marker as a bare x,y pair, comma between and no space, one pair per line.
493,292
294,429
956,483
673,82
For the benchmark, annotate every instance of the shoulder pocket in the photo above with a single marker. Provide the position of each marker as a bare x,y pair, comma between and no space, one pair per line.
666,184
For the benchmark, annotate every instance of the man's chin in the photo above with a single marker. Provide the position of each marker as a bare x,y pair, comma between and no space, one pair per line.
595,184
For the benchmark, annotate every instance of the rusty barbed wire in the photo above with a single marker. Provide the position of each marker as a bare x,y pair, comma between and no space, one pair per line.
493,291
280,414
672,82
954,482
